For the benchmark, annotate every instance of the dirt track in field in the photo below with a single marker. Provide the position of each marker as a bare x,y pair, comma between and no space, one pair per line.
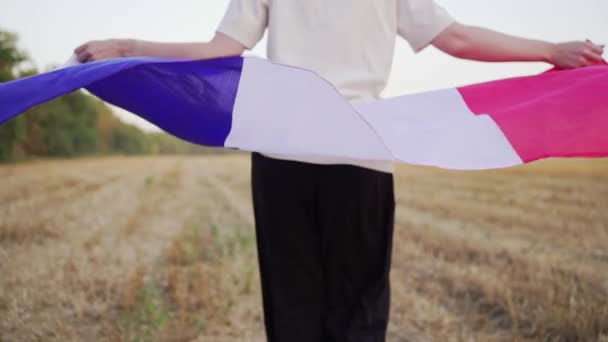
163,249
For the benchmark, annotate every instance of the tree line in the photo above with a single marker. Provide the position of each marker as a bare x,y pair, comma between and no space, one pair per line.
73,125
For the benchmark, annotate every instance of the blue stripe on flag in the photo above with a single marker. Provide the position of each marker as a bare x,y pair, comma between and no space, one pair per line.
190,99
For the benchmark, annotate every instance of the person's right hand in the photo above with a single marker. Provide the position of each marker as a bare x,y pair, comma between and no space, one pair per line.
572,55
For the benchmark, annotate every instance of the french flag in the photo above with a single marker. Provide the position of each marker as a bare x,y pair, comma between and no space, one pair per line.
252,104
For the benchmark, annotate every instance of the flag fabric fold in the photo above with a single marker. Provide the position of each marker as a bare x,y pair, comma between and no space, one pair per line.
252,104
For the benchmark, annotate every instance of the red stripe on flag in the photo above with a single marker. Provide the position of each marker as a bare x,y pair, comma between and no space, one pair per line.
555,114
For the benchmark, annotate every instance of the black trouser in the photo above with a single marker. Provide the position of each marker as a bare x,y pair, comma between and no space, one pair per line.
324,235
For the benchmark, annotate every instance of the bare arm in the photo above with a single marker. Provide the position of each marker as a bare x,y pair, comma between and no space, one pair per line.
481,44
220,46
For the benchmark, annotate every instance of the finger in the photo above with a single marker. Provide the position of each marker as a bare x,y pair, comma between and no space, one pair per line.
95,57
81,48
80,56
593,57
582,62
84,57
595,48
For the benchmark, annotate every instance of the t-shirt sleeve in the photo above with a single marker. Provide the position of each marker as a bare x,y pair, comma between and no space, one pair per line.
245,21
420,21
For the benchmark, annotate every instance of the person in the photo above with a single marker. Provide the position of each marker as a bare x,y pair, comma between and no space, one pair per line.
324,228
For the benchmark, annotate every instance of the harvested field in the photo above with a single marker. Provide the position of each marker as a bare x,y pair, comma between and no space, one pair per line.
163,249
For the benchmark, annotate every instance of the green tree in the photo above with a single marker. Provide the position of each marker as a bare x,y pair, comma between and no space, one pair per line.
128,139
10,57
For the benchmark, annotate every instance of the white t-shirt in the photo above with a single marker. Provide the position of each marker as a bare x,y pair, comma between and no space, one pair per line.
348,42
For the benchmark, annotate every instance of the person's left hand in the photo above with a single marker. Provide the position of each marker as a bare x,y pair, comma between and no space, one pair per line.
101,49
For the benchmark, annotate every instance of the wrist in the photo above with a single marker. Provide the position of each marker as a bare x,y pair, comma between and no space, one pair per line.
548,53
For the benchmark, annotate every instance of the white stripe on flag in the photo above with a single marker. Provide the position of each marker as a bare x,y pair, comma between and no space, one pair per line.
286,111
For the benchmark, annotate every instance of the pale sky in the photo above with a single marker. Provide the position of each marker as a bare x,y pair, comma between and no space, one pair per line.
50,30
